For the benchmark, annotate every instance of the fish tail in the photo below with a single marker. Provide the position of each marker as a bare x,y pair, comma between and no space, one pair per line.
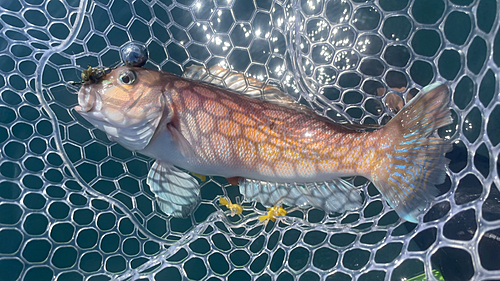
415,164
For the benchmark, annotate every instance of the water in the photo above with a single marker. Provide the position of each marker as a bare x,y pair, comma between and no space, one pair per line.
75,206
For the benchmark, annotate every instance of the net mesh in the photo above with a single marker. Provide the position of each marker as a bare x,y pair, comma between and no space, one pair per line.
75,206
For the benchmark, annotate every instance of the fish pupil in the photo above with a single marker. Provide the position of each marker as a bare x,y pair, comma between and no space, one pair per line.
127,78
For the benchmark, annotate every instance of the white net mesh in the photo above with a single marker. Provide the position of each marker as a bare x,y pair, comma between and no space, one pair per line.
75,206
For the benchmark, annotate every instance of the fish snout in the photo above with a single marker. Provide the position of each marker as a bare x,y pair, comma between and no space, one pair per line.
88,99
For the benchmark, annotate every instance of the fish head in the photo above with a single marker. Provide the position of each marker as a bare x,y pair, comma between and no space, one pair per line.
127,103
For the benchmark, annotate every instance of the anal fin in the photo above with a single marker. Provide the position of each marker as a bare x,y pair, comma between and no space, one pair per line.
336,195
177,192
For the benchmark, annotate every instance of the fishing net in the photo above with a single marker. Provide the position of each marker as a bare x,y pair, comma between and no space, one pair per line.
75,206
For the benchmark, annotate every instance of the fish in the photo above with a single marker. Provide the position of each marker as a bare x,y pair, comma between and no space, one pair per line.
278,151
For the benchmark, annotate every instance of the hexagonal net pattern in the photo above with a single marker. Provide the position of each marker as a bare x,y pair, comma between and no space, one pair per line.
76,206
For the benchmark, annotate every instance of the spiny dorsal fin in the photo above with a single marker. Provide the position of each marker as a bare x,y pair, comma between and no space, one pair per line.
248,86
251,87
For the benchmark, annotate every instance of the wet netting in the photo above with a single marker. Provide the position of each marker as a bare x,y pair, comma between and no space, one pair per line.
76,206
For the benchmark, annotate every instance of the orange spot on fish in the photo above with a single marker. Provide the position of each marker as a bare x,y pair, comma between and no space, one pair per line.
191,101
268,152
191,124
276,114
229,128
231,105
284,169
317,145
255,135
306,167
246,151
215,108
291,154
181,84
205,121
243,119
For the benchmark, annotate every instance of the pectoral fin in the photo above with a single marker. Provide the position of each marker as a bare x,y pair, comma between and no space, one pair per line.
181,142
177,192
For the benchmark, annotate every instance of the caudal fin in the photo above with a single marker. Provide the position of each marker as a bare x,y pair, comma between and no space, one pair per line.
407,177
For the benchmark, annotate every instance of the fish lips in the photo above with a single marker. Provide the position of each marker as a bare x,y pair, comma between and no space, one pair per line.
88,99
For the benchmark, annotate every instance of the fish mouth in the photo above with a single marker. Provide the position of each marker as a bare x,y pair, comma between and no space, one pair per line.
88,99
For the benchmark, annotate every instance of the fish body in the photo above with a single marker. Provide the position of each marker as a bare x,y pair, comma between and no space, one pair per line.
278,150
231,135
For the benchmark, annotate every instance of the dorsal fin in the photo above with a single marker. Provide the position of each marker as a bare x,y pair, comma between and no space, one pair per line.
249,86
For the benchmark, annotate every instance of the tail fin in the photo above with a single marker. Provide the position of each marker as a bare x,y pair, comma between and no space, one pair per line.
407,177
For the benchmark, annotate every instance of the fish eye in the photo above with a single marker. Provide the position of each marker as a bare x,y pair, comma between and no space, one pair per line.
127,77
